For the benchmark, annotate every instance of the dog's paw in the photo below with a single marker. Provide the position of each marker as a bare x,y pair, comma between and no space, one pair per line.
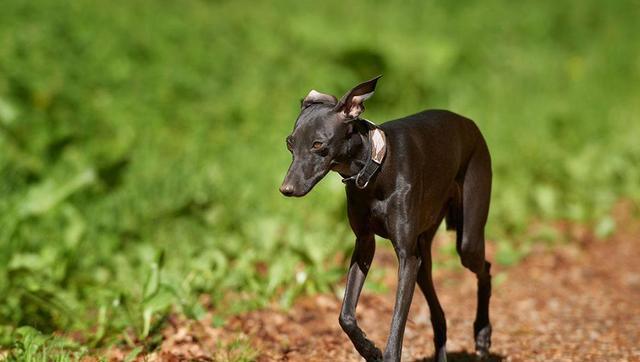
441,355
483,343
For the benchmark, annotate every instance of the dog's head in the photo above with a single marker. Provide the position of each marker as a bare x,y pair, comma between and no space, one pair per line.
321,134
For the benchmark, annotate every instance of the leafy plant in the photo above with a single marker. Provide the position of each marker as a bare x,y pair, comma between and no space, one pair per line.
134,130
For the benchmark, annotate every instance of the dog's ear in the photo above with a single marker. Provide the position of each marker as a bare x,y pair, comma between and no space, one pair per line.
316,97
351,105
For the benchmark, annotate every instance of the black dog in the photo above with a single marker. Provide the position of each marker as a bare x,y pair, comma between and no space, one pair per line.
402,179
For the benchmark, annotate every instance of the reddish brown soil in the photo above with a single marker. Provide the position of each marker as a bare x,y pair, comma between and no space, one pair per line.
577,302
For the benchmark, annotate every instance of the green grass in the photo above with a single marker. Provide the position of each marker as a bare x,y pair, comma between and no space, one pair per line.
142,143
32,345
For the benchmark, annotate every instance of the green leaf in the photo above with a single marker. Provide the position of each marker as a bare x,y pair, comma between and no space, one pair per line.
48,194
133,354
153,278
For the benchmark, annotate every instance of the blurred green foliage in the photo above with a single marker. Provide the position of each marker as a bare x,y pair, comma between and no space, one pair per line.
142,143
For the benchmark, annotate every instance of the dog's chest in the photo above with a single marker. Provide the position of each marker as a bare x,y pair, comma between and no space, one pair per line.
378,210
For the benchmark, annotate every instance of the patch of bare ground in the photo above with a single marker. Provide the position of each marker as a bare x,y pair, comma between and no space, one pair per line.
575,302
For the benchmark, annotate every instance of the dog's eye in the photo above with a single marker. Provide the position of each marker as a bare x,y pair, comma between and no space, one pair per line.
289,143
317,145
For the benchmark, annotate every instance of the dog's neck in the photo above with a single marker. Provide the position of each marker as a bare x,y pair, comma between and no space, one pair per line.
355,155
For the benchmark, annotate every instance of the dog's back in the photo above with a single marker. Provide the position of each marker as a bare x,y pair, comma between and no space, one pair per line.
437,132
435,146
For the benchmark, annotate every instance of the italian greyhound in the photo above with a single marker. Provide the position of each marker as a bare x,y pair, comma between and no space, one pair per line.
402,179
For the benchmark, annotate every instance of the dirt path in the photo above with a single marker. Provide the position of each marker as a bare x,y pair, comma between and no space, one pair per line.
579,302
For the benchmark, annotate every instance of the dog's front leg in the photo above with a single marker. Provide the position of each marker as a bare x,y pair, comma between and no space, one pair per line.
360,263
409,263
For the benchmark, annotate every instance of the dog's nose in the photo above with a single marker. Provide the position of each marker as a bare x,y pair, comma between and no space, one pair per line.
286,189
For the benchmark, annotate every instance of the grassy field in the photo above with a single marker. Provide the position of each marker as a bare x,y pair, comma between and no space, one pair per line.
142,143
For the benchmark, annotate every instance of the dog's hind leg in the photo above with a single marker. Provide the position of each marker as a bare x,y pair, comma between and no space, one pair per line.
425,282
476,193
